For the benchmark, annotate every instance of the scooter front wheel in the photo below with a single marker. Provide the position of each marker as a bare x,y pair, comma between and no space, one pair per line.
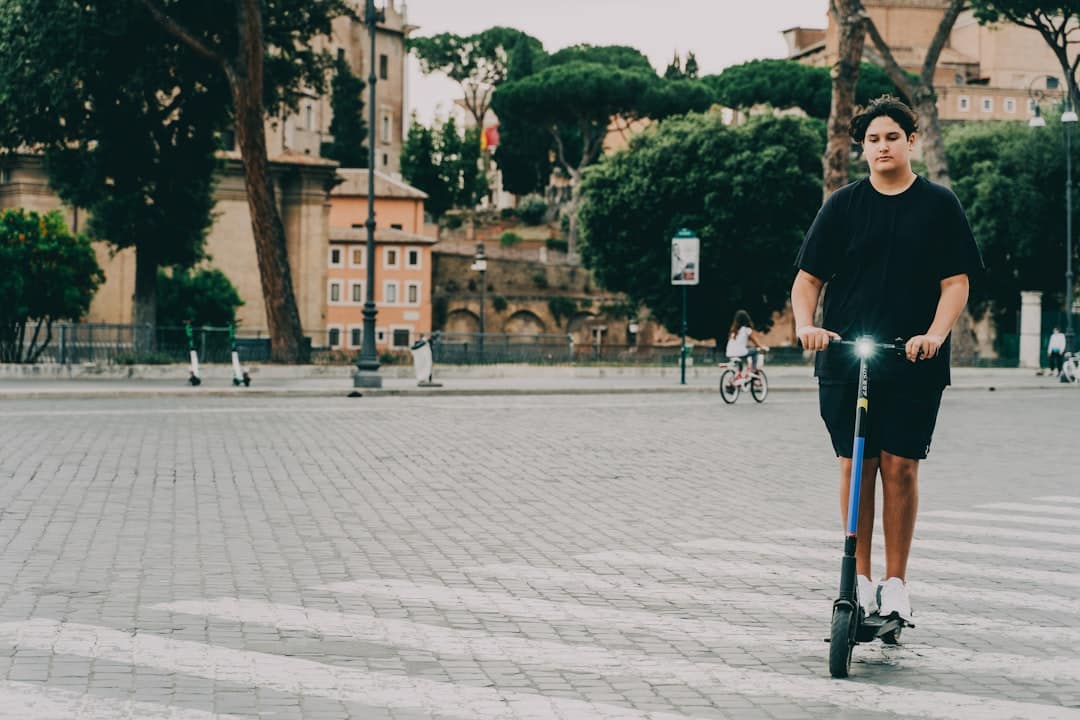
728,389
842,641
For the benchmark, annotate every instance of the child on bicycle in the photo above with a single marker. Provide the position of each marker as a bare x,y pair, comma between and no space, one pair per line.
741,336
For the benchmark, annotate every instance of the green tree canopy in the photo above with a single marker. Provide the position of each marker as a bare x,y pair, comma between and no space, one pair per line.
618,56
748,191
478,63
349,146
47,275
575,103
419,168
787,83
445,165
1054,20
127,121
202,296
1010,179
265,52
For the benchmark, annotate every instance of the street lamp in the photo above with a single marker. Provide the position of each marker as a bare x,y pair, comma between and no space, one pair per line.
367,365
480,265
1068,119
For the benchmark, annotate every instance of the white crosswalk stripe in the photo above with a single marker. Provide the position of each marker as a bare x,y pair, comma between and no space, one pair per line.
746,569
1059,499
918,565
804,638
996,532
1030,508
982,517
29,701
1022,553
306,677
592,659
790,606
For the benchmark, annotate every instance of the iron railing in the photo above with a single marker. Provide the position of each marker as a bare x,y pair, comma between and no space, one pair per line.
77,343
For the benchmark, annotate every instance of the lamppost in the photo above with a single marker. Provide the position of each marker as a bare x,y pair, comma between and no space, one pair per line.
367,365
1068,119
480,265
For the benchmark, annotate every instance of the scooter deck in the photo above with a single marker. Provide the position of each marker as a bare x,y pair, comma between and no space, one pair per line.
874,626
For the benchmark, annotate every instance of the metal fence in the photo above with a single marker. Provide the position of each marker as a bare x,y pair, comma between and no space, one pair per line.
76,343
134,344
492,348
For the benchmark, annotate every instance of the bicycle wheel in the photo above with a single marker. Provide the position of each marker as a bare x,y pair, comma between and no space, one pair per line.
841,642
728,389
759,386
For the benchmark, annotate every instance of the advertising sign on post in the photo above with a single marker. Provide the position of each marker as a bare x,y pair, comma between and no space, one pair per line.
685,258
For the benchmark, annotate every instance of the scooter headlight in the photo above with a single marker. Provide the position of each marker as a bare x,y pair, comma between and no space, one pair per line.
864,348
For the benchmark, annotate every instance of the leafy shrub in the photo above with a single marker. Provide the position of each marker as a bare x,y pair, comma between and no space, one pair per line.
499,303
509,238
532,210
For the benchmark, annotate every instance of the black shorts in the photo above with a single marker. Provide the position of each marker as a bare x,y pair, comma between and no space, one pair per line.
900,419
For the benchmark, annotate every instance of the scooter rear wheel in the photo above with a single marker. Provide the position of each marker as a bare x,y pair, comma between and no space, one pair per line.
841,642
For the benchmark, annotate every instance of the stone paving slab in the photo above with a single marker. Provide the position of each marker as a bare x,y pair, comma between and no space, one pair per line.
657,555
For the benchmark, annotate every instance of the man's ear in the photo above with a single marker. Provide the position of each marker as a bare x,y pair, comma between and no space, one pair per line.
911,139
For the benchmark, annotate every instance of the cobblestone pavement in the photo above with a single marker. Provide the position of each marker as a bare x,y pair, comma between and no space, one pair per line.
661,556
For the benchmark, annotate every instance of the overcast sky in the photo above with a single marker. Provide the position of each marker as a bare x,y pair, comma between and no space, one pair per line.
719,32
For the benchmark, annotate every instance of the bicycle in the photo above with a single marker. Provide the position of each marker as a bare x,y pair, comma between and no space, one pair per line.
734,380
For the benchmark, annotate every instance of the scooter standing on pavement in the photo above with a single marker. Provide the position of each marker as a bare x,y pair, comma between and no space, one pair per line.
849,624
239,374
194,378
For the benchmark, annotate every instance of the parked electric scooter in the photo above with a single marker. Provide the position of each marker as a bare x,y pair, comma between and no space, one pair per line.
194,378
239,375
850,625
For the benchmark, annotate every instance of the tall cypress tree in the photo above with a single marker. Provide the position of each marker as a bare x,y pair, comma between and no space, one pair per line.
349,146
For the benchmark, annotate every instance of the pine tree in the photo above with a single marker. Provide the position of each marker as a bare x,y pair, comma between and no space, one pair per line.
690,69
349,146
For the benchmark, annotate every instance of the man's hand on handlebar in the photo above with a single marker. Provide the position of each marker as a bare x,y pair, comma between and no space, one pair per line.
815,338
923,347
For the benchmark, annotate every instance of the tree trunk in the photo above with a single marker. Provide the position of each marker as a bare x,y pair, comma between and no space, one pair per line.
144,302
933,145
246,81
572,210
920,91
845,75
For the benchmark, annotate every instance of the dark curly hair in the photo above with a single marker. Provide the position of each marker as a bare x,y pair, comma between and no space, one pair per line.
888,105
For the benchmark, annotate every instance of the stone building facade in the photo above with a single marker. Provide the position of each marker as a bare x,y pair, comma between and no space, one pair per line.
301,185
306,129
984,72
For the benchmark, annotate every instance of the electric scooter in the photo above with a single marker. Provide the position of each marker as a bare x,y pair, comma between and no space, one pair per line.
194,378
239,375
850,624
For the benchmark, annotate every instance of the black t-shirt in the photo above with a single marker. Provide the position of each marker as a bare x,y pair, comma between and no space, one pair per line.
883,257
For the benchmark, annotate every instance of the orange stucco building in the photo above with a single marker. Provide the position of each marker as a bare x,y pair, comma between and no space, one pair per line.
403,263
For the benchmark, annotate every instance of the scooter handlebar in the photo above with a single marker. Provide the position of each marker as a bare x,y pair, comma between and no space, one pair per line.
896,345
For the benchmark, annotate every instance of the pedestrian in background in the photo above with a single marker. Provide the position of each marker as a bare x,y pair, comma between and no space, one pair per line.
1055,350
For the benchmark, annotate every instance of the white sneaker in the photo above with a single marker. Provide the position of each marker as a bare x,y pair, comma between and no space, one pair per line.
867,594
893,598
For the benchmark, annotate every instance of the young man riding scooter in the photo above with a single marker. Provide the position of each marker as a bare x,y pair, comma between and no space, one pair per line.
896,252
